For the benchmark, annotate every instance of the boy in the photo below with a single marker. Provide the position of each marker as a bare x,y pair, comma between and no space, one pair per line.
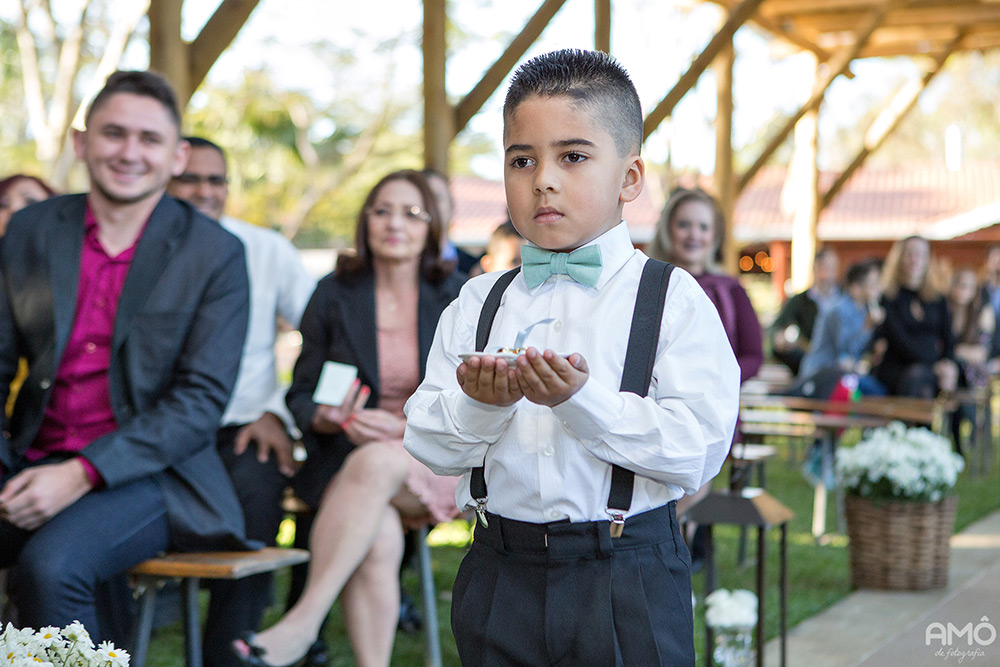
503,252
548,580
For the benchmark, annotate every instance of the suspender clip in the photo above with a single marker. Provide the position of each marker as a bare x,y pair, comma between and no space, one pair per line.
617,525
479,504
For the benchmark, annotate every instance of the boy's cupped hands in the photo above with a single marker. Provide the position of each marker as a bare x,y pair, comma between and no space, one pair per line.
545,378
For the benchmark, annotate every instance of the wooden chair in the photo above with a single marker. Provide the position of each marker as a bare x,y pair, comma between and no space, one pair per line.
191,568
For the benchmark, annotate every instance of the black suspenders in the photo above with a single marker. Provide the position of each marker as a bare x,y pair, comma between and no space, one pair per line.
636,376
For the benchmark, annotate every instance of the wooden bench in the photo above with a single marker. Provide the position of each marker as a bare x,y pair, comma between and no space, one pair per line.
191,568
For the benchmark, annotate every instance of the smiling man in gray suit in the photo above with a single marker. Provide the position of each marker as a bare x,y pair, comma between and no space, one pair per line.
130,309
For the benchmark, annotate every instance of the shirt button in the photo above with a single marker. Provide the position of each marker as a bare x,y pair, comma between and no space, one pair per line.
548,451
90,347
557,327
45,384
553,514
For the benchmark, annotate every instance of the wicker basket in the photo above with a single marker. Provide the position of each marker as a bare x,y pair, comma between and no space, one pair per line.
899,545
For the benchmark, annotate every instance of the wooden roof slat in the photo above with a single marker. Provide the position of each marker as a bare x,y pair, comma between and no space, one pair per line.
956,16
793,38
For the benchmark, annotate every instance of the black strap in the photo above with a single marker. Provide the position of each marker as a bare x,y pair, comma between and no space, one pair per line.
639,359
477,483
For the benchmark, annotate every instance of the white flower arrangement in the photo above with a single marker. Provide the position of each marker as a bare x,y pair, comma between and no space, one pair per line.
730,609
52,647
899,463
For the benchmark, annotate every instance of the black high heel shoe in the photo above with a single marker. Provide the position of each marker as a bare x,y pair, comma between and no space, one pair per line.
252,655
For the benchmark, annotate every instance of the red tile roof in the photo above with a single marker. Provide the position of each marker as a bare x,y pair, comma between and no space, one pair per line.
876,204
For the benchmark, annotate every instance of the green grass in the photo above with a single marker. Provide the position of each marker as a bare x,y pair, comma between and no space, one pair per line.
818,574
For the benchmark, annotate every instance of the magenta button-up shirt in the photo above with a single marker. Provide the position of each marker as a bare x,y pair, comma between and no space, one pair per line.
79,410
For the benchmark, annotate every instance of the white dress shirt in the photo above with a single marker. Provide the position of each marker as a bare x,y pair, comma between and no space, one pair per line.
279,285
546,464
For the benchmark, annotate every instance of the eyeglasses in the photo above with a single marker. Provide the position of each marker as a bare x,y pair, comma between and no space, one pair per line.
414,213
214,180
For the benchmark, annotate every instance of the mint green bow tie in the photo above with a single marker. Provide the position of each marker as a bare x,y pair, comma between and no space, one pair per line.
582,265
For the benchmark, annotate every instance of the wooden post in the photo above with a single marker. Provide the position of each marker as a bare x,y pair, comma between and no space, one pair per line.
723,181
602,25
167,51
438,128
804,177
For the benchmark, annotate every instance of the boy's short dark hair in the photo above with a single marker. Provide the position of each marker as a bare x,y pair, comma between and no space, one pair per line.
592,78
142,83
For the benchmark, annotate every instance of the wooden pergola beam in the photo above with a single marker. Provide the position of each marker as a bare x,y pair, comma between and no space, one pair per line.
793,38
837,65
602,25
888,120
215,37
955,16
737,18
495,75
438,130
185,65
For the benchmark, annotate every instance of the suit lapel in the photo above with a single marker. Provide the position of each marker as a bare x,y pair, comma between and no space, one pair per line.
152,255
428,313
357,306
66,242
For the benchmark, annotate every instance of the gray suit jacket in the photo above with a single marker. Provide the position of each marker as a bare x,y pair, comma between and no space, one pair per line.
178,335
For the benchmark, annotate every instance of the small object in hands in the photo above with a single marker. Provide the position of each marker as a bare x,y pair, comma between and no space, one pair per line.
334,382
510,353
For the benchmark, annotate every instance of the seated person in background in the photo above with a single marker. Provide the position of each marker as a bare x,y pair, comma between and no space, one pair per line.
792,329
376,312
132,333
503,252
973,323
919,357
253,440
843,333
18,191
990,295
689,235
438,182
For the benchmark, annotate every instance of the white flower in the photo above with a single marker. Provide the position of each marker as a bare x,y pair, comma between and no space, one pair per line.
899,462
736,609
116,657
51,647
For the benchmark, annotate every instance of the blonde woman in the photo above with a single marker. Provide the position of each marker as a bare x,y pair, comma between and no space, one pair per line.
919,357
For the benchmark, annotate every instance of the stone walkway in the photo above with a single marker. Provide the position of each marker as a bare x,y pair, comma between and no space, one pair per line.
889,629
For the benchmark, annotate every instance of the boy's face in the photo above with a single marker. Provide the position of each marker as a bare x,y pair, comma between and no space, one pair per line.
565,182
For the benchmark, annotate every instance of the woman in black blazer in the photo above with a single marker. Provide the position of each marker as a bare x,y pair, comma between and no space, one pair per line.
378,312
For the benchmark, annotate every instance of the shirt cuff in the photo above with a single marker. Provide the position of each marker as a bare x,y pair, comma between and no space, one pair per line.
95,477
473,416
591,412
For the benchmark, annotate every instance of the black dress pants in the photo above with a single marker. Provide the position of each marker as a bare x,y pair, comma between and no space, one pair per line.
568,595
238,606
56,570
